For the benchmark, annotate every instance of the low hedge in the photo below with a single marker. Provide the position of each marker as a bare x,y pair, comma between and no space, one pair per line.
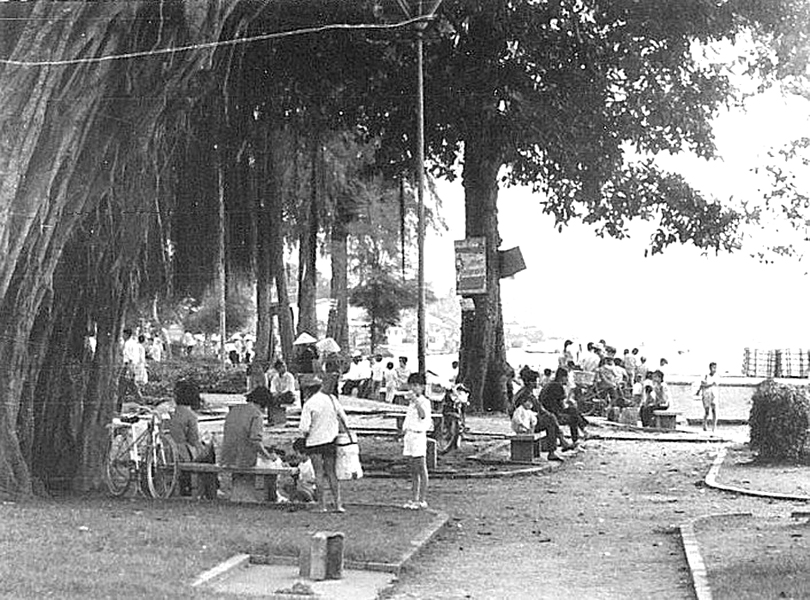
779,420
209,373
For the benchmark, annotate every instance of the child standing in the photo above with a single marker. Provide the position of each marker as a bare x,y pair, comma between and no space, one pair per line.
415,427
390,379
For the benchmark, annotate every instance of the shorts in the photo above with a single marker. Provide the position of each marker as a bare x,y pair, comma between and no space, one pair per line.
709,402
325,450
415,443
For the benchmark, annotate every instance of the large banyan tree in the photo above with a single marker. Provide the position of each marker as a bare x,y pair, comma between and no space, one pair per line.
86,186
123,125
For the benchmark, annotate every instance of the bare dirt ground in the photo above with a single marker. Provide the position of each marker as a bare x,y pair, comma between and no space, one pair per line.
604,525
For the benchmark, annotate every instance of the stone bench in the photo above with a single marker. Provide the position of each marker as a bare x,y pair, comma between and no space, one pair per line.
251,484
525,447
665,419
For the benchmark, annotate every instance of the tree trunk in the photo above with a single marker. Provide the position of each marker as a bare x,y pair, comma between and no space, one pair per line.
338,326
257,176
482,364
73,171
308,246
275,199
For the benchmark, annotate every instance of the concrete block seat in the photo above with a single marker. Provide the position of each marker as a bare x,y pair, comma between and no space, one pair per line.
665,419
525,447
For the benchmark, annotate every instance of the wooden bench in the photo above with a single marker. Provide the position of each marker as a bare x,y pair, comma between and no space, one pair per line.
251,484
665,419
525,447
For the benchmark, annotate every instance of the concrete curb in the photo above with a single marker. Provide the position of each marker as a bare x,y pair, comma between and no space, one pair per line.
222,569
711,481
416,545
694,559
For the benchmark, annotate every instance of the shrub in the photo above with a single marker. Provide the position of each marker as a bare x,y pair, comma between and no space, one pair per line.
779,420
209,374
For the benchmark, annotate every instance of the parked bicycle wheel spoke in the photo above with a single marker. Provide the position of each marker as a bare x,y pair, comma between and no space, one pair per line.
161,467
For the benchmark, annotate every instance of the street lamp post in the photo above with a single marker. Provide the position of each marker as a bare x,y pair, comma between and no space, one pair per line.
420,26
420,165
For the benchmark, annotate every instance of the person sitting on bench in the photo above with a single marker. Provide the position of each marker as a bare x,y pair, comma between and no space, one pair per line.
554,397
545,420
243,431
184,430
656,397
282,384
524,419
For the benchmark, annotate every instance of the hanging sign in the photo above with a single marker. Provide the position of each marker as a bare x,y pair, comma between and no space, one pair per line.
471,266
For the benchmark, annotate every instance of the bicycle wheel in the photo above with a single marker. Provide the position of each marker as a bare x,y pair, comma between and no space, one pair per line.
162,470
117,465
447,435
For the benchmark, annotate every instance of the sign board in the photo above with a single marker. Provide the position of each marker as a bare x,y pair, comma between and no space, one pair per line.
471,266
510,262
467,304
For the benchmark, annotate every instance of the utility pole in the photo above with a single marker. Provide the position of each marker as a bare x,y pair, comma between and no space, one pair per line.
221,253
420,163
420,27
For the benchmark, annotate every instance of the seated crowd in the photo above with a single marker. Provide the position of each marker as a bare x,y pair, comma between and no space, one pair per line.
618,383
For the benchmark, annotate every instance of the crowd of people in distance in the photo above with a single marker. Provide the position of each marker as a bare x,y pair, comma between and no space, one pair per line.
625,381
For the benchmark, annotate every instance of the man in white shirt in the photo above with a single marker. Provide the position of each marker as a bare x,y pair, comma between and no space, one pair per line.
352,380
589,360
364,373
131,354
282,384
377,371
709,394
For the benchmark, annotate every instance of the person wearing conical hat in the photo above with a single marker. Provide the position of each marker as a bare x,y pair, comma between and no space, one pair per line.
305,358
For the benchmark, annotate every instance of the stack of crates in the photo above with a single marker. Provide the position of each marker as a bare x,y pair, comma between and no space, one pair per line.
759,363
793,363
787,362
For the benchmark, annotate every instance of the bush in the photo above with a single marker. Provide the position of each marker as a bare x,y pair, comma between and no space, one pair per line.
779,420
211,376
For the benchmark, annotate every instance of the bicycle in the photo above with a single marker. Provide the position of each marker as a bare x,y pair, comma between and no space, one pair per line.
142,451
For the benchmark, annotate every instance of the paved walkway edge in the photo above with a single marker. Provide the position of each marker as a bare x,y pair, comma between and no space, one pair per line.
222,569
697,569
439,520
694,559
711,481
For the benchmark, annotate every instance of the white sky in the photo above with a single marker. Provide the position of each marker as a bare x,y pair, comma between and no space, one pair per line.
579,285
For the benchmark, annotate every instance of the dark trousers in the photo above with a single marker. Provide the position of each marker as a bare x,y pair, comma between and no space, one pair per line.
547,422
574,419
646,414
206,456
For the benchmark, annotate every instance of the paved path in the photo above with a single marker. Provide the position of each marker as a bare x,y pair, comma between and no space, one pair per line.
603,526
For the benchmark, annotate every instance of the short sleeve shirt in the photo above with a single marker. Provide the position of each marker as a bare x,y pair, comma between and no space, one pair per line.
412,420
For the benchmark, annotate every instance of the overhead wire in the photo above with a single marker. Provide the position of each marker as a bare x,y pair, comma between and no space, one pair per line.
219,43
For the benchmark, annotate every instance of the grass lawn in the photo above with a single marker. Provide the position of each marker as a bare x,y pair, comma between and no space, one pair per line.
748,558
98,547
